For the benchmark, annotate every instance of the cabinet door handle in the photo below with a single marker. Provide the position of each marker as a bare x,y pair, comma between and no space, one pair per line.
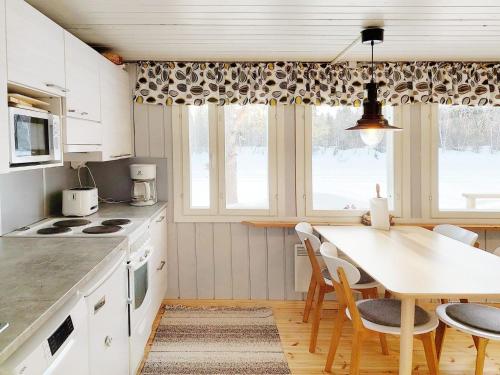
119,156
108,340
160,219
162,264
72,110
84,113
63,89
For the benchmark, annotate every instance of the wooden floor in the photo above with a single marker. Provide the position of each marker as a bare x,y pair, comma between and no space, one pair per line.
458,353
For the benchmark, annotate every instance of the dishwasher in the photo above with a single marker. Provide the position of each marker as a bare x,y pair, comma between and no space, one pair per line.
59,347
106,299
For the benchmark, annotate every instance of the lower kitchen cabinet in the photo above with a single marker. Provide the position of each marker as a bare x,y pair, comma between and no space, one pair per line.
159,262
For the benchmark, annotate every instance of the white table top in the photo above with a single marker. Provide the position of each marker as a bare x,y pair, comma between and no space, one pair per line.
414,261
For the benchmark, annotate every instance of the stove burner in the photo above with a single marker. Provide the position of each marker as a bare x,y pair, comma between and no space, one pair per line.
53,230
71,223
102,229
116,222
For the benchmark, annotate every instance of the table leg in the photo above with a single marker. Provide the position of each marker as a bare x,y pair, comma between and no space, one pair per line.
406,343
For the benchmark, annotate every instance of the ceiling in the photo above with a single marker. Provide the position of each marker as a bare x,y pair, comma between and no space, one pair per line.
269,30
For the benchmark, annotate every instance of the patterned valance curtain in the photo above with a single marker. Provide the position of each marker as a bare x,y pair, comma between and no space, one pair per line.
197,83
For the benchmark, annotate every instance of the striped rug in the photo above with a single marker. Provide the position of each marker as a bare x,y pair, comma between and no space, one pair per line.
216,340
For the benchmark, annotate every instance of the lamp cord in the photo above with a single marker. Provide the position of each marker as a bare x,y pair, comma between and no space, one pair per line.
373,79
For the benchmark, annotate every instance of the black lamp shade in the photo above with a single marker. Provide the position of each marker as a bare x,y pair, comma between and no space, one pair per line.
374,34
372,113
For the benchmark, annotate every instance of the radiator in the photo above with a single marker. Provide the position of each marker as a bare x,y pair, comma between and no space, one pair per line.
303,268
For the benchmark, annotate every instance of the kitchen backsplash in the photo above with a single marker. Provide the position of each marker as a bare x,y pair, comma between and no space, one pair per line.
29,196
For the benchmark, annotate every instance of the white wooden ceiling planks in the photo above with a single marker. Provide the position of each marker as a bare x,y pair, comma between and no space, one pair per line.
267,30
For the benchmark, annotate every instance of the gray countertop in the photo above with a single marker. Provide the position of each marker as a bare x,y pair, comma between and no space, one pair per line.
127,211
38,275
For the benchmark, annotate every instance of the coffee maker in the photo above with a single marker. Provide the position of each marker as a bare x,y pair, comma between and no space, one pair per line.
143,184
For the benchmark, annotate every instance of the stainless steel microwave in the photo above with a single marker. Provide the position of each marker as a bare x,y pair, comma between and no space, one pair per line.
35,136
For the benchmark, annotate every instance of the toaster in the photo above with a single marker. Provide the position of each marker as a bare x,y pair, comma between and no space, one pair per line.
80,201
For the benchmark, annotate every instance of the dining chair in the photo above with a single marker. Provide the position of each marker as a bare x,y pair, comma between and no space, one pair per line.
321,280
497,251
372,316
480,321
460,234
467,237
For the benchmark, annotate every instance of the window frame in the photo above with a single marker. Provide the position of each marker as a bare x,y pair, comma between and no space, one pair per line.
304,153
183,212
435,211
186,163
272,166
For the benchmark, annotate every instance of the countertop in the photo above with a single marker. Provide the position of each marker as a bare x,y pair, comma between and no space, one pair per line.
38,275
125,210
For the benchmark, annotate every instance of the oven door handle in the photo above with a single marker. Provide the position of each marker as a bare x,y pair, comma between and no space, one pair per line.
134,265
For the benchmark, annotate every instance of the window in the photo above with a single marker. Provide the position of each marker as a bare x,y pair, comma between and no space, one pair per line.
246,157
227,158
341,171
467,154
199,158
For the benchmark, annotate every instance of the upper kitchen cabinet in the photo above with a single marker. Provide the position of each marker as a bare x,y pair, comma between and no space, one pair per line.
35,49
116,112
82,79
113,136
4,120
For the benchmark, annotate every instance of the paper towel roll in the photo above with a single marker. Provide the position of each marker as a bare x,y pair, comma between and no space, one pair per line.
379,212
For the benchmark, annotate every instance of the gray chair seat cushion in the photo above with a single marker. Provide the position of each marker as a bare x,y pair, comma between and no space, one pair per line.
485,318
387,312
365,278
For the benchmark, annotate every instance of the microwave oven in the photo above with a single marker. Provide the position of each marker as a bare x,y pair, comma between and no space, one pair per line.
35,136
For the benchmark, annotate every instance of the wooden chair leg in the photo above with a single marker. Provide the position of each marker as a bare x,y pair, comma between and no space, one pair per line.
481,353
357,340
387,294
316,319
440,333
430,352
334,341
476,341
310,298
383,343
374,293
365,293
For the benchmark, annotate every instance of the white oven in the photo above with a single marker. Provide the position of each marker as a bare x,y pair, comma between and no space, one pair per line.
140,274
35,136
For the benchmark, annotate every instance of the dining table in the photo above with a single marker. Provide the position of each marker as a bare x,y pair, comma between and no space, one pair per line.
416,263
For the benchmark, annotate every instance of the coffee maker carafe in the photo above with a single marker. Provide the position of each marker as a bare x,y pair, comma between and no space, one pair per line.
143,184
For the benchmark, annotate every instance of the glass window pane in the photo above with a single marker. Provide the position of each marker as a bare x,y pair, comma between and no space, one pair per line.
199,158
246,157
345,170
469,156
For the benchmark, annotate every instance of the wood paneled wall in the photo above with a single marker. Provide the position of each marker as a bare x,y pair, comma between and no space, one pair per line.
216,260
225,260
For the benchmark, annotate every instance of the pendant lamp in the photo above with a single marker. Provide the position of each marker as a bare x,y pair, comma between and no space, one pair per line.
372,125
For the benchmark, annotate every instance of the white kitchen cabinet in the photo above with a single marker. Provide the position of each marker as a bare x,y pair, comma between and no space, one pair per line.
112,138
35,49
159,262
4,116
82,80
116,118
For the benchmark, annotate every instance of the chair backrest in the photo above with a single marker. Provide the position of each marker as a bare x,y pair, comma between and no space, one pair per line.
497,251
305,232
457,233
333,263
312,244
344,288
